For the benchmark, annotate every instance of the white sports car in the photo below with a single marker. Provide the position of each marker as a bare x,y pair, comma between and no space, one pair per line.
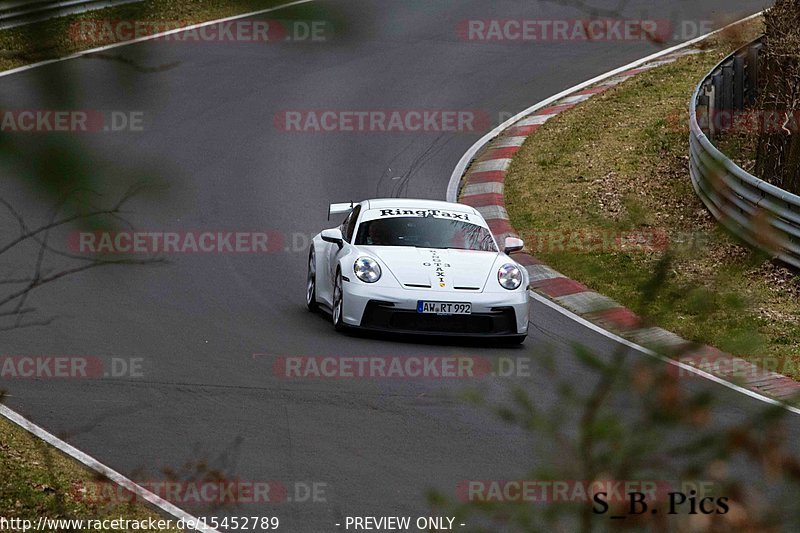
418,266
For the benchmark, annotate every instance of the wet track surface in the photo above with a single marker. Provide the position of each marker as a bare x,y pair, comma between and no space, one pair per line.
209,327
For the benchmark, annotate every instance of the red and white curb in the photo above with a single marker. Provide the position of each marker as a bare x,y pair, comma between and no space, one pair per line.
481,186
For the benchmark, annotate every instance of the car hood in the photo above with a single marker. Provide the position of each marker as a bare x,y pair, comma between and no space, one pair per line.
417,268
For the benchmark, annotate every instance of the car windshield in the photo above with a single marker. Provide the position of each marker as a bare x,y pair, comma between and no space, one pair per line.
425,232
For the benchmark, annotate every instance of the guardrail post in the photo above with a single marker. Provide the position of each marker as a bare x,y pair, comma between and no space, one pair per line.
703,105
753,67
733,196
738,83
727,97
716,104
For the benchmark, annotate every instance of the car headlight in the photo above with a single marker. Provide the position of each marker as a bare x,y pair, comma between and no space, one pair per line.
509,277
367,269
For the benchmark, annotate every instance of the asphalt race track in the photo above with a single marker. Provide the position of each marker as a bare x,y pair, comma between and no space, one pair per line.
208,327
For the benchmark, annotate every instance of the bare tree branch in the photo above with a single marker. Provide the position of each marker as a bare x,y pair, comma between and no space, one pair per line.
42,275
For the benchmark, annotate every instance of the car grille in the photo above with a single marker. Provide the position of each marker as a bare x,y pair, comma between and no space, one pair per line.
383,316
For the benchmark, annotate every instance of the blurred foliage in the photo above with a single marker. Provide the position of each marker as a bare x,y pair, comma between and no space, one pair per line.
672,434
37,480
636,421
635,418
602,194
76,185
78,173
778,152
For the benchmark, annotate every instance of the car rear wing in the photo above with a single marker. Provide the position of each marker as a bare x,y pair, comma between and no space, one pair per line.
340,209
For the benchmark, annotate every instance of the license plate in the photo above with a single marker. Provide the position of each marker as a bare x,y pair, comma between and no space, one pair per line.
444,308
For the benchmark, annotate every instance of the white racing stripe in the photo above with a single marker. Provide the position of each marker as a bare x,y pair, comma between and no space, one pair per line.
492,165
452,191
150,37
688,368
51,439
536,120
99,467
489,187
469,155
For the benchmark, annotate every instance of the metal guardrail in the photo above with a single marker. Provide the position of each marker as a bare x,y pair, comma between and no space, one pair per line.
16,13
759,213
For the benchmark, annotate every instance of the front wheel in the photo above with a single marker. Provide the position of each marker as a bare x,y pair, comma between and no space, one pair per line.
311,282
337,310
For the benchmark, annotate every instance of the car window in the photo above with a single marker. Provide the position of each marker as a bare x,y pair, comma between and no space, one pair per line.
425,232
350,223
344,224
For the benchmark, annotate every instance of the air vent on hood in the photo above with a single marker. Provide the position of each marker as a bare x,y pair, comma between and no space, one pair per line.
467,288
417,286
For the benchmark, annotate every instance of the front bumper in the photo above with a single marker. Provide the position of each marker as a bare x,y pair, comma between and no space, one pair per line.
395,310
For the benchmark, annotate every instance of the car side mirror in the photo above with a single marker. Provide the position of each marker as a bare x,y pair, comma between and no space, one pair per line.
513,244
333,236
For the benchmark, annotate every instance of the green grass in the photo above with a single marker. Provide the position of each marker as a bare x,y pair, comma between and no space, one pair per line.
37,480
619,163
52,39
